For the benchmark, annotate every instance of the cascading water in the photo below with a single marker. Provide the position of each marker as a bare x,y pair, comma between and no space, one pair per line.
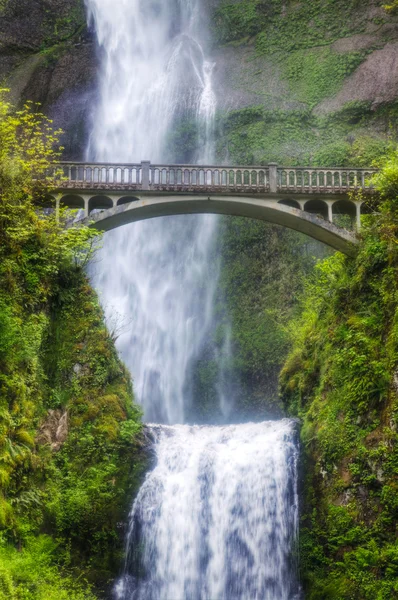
158,275
217,517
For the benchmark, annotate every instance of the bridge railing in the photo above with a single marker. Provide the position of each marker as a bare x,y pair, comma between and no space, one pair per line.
263,179
197,177
336,180
78,174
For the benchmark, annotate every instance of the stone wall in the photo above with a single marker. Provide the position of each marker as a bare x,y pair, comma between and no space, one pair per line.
48,55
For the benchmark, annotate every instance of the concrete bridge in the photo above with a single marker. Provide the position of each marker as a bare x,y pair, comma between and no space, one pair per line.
310,200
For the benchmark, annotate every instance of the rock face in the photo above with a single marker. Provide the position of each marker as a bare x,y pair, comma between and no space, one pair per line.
375,81
54,430
47,55
272,53
281,56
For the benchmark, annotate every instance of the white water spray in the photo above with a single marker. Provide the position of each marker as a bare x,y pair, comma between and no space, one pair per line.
217,517
157,275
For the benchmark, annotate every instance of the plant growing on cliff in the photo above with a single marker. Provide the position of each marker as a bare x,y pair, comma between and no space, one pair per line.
57,365
340,378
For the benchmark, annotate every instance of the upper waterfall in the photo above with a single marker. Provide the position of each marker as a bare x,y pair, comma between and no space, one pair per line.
154,74
160,276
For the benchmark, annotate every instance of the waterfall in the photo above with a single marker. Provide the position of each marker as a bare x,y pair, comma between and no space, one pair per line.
217,517
158,276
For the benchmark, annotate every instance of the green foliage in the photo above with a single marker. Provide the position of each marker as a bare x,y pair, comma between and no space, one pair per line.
41,572
392,7
340,379
318,73
261,277
69,430
288,26
293,41
183,141
238,20
255,135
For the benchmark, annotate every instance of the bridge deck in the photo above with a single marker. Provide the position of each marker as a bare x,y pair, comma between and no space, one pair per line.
214,179
302,198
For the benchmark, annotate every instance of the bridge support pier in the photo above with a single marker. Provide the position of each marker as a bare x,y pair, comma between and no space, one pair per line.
57,206
330,210
358,211
145,165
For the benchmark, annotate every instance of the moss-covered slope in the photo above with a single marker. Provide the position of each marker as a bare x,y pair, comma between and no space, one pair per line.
341,379
304,80
70,434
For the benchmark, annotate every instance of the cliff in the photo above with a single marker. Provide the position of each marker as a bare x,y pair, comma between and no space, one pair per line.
47,55
341,379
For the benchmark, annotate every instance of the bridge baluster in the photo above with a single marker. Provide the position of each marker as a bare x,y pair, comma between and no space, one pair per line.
253,178
261,178
299,178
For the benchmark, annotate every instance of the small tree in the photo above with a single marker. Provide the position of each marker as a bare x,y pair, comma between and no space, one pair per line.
29,148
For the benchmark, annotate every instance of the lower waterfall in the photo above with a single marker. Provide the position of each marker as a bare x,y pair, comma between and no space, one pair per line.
217,517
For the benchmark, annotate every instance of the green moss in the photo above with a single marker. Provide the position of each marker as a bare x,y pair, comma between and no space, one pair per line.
258,136
70,449
339,378
284,27
318,73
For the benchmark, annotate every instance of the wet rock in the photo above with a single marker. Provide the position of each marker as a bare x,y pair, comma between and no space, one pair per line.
54,430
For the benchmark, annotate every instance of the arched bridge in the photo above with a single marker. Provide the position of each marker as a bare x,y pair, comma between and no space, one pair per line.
310,200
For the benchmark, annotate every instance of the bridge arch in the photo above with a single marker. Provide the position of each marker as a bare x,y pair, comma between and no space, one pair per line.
73,201
317,207
291,203
149,207
344,213
126,200
100,202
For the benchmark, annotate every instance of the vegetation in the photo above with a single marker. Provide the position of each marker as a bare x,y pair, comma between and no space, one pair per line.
340,378
280,25
263,267
349,137
69,431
